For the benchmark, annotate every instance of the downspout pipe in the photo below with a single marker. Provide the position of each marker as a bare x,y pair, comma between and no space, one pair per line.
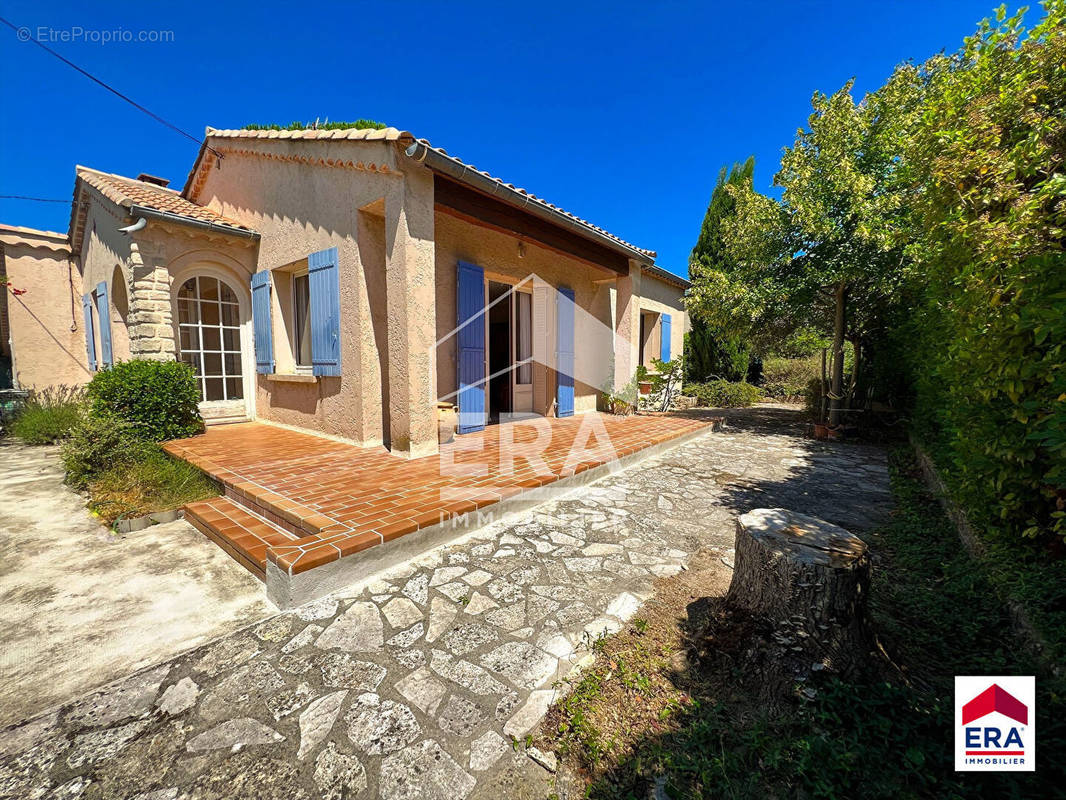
136,226
438,162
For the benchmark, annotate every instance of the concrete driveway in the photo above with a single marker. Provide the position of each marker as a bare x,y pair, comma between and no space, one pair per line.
81,606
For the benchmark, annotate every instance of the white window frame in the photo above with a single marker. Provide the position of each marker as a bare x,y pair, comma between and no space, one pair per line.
298,368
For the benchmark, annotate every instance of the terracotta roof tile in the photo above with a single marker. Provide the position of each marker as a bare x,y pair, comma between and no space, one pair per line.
49,240
128,192
373,134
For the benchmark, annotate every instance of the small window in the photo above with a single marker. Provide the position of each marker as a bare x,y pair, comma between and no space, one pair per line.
301,296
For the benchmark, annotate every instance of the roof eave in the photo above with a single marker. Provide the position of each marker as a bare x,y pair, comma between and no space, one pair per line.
15,235
437,161
178,219
668,277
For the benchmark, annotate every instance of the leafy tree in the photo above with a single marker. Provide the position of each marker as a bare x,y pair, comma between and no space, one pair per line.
834,239
929,221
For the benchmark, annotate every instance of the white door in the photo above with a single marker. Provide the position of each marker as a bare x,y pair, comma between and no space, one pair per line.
522,352
209,330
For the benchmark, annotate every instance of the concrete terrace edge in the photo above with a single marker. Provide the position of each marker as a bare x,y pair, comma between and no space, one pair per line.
288,591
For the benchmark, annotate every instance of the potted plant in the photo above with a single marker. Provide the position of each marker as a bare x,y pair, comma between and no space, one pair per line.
447,420
644,381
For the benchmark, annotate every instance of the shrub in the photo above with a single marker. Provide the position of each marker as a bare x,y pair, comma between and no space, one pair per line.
48,415
723,394
99,442
665,380
159,397
152,481
789,377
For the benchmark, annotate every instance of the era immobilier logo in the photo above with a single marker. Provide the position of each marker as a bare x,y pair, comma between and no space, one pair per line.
995,723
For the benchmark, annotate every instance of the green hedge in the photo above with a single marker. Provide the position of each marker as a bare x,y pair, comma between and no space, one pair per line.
985,344
723,394
159,398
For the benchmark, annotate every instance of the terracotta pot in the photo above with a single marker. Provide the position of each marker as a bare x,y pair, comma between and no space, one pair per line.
645,387
447,420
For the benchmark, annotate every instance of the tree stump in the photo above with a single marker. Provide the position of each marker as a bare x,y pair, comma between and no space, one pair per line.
809,579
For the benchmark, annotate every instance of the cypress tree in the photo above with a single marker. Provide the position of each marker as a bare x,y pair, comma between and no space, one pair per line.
711,352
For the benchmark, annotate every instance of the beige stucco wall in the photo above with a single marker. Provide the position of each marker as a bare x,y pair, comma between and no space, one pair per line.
299,205
661,297
47,340
498,253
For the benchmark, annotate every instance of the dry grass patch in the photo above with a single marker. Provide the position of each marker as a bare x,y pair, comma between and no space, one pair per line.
642,683
154,482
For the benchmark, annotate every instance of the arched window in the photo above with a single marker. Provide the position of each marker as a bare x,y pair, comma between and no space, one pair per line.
210,336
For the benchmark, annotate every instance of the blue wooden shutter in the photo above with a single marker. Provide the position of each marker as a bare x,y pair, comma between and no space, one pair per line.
470,341
103,313
564,355
664,345
264,343
323,282
90,343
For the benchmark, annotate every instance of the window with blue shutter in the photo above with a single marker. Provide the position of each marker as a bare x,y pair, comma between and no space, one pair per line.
90,343
324,287
564,354
103,313
664,346
470,341
264,344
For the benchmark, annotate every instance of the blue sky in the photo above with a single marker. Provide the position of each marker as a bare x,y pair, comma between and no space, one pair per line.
621,113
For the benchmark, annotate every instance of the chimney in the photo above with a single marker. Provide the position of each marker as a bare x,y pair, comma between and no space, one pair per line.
144,176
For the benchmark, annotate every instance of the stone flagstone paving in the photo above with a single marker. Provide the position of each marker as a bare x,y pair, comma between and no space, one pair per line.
424,682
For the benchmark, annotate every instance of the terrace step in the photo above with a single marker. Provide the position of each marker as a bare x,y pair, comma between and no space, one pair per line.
282,512
245,536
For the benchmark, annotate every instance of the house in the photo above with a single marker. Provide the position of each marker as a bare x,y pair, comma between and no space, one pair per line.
342,282
41,340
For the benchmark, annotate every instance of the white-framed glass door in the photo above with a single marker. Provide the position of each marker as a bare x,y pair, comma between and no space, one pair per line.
209,339
522,350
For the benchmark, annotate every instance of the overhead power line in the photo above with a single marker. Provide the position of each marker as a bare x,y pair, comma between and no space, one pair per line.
22,33
34,199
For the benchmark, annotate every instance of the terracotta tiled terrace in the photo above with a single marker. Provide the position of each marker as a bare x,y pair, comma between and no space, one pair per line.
301,501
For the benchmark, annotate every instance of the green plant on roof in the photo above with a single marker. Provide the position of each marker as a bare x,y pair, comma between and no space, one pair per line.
322,126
